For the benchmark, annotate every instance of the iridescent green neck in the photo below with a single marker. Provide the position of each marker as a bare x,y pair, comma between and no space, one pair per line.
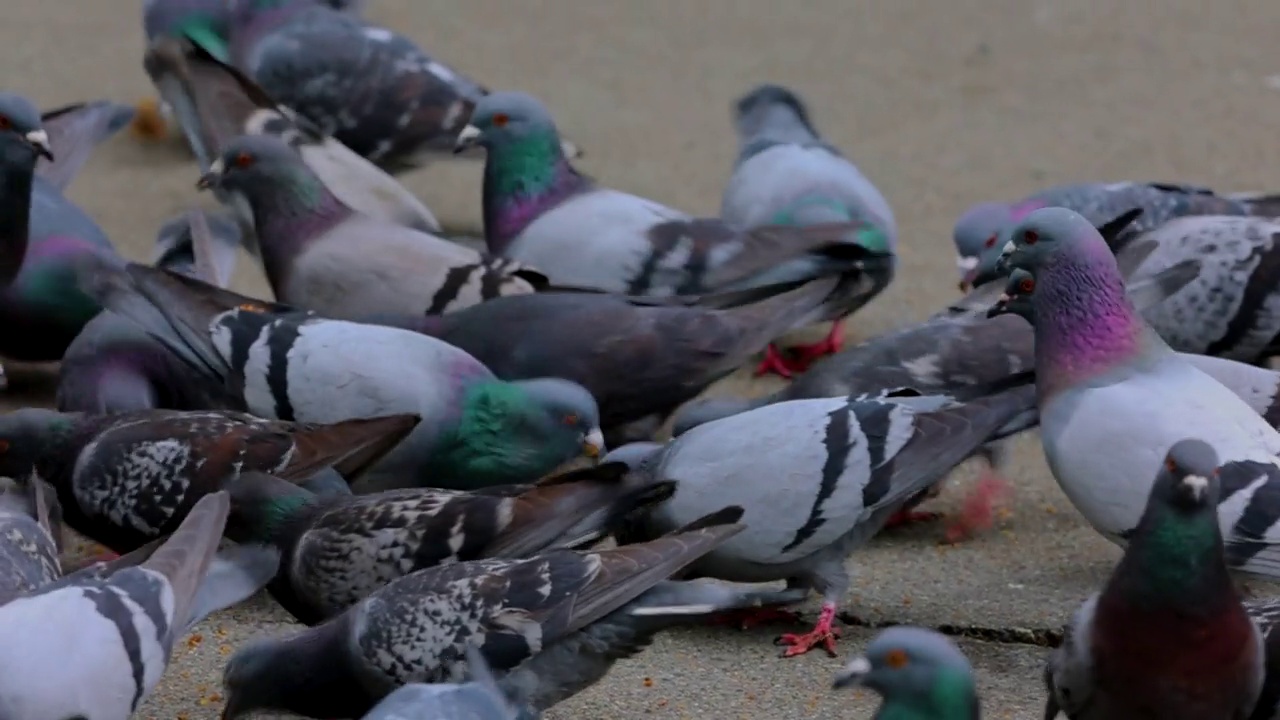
481,449
951,697
292,207
1172,557
523,178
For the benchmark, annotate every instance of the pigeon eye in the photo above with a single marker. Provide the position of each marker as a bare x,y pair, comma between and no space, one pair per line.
896,659
1030,237
991,241
570,419
5,122
1170,465
4,446
500,120
243,160
1026,285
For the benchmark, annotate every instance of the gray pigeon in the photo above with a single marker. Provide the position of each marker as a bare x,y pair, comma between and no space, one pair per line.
322,255
539,210
786,174
30,536
476,430
553,625
1224,311
95,645
1168,636
987,225
479,699
1113,397
369,87
115,366
920,674
339,550
848,466
217,103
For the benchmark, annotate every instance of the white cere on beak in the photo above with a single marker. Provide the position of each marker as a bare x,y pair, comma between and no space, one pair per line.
966,263
1009,247
1198,484
217,167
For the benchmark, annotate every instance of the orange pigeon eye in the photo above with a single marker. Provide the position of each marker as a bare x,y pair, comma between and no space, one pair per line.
570,419
896,659
243,160
1170,465
991,241
500,120
1026,285
5,122
1030,237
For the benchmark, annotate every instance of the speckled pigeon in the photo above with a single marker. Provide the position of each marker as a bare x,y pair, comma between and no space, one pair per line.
321,254
639,359
282,363
127,478
42,310
478,699
987,225
337,551
849,465
115,366
1113,396
369,87
30,536
553,625
216,104
95,645
919,673
787,174
1168,636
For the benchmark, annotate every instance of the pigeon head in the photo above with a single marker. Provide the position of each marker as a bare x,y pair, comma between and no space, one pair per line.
918,672
203,21
524,428
29,435
1049,234
767,107
23,140
1016,298
1188,481
503,119
251,163
247,679
979,236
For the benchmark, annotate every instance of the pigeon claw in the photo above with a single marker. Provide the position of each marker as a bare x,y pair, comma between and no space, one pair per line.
747,618
807,355
978,512
911,517
775,363
823,635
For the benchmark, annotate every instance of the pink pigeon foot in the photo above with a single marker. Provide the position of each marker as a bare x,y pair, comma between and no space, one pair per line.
775,363
911,517
807,355
978,513
747,618
823,634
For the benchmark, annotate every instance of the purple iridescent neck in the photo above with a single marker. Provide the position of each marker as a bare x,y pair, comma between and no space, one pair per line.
524,178
290,216
1085,326
1019,210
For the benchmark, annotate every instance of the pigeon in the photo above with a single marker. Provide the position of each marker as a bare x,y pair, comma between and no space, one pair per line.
23,141
849,465
42,308
951,353
94,645
987,225
1112,396
125,479
370,88
553,624
379,537
919,673
115,366
73,132
641,359
217,103
479,699
539,210
286,364
322,255
30,536
786,174
1167,637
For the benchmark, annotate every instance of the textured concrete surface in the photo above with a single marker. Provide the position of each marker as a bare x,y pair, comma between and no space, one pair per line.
941,103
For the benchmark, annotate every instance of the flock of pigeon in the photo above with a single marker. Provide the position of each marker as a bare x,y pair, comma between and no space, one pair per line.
382,444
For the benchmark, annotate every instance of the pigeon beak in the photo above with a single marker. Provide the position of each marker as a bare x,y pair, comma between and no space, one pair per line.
469,136
1197,487
212,177
1002,263
593,444
39,139
852,674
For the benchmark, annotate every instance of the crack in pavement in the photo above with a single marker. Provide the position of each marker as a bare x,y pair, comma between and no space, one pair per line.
1041,637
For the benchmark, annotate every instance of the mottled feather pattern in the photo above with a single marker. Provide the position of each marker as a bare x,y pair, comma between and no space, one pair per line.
1249,511
357,547
1232,308
370,88
28,552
